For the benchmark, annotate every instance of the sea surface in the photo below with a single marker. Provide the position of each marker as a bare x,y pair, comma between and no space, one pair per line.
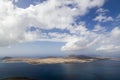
98,70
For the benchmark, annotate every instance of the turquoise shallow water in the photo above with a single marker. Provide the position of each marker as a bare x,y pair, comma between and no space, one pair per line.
98,70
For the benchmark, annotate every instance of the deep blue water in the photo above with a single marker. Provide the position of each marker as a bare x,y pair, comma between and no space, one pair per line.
98,70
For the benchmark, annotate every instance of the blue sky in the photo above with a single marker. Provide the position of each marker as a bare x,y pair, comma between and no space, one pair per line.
33,49
59,27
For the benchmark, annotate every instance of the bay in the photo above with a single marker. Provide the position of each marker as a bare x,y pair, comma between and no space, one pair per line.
98,70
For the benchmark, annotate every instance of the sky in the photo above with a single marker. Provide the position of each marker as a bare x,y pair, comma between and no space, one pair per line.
59,27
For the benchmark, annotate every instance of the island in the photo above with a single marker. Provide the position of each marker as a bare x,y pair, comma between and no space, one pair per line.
54,60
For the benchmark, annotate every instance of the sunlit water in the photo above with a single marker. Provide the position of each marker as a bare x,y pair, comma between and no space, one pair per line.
98,70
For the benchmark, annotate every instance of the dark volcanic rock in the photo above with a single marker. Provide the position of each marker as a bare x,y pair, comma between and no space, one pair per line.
6,58
18,78
81,57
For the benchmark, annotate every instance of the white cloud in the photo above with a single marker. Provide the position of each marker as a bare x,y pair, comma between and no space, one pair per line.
102,15
16,1
102,11
109,48
96,42
118,16
117,20
50,14
103,18
99,29
56,14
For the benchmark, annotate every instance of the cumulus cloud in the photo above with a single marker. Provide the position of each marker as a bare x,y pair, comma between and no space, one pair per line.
16,1
109,48
99,29
96,42
15,22
102,10
16,25
103,18
117,20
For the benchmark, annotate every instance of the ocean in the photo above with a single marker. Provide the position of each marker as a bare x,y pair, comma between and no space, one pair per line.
97,70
